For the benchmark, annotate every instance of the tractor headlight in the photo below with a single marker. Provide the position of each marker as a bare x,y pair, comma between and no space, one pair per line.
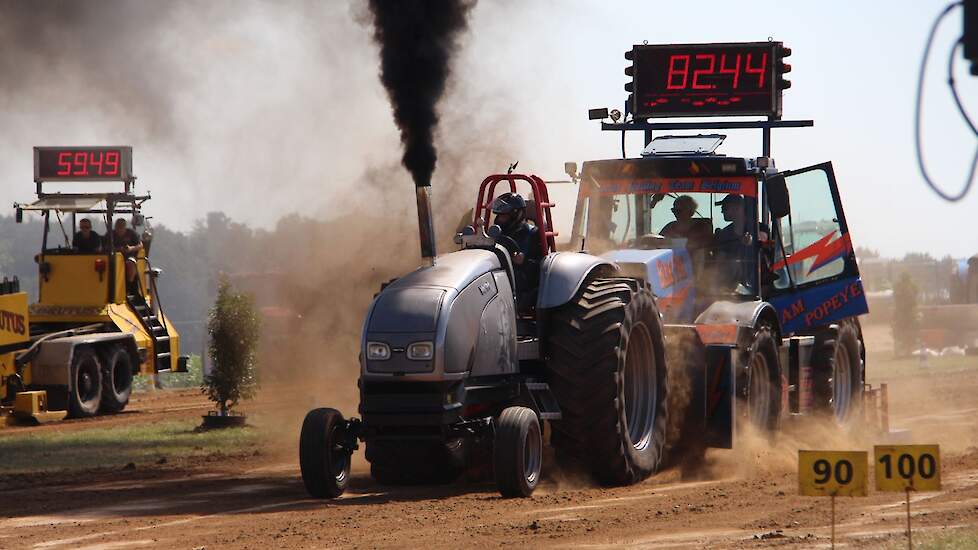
378,351
421,351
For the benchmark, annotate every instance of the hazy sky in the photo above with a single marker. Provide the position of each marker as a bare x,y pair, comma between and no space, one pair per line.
260,108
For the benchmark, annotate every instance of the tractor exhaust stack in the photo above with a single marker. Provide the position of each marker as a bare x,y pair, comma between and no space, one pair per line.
426,227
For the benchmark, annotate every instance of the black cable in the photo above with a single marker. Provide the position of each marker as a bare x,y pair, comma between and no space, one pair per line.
920,94
954,88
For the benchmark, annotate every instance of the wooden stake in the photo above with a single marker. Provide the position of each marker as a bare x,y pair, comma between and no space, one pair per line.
909,537
833,522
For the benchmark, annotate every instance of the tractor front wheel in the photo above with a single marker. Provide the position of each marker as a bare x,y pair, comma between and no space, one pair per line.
323,460
517,454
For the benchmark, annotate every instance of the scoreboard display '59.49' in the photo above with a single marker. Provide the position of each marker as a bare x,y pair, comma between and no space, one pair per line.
83,163
677,80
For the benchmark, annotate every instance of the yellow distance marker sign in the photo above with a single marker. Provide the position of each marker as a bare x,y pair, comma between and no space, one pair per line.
902,468
832,473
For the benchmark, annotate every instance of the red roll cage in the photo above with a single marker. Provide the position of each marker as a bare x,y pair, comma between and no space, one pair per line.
541,205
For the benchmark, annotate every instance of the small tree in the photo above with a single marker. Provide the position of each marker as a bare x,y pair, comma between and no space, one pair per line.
906,316
234,329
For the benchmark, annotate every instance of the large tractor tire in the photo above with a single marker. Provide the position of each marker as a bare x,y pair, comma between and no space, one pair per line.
760,393
85,396
608,372
517,452
116,379
838,369
399,462
324,463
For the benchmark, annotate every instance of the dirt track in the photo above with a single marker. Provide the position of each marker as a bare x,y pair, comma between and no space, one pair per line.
744,498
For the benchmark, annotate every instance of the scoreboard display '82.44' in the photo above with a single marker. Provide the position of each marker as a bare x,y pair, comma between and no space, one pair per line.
733,79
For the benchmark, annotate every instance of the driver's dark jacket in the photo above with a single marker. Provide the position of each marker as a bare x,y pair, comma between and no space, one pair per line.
527,238
739,257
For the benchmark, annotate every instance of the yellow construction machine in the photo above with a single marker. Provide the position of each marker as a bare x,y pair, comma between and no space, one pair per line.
98,320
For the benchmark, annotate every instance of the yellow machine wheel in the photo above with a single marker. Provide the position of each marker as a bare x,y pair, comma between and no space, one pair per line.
85,395
116,378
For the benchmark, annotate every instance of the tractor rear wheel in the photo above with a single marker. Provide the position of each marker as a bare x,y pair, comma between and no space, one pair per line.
116,379
85,395
761,384
324,462
608,371
838,373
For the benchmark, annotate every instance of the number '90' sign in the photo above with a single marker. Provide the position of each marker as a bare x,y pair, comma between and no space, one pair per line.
908,467
832,473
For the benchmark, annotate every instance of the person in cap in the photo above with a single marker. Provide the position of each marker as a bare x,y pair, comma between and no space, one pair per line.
736,242
86,241
732,208
126,241
522,240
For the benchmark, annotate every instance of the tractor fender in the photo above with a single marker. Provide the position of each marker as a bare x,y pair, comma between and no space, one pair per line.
52,365
745,315
563,273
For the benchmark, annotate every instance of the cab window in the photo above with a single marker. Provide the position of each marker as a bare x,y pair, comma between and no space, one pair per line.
810,232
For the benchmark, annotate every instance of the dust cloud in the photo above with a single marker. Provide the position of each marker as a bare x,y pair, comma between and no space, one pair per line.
256,109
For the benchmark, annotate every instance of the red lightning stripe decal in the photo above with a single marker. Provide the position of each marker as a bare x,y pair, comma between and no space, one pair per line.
824,250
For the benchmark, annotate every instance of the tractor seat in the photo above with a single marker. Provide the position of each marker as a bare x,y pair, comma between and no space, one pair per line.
700,233
531,212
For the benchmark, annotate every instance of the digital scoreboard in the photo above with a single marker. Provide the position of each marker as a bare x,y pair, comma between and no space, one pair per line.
678,80
83,164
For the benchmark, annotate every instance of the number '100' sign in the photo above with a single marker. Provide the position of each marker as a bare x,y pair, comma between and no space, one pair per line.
832,473
908,467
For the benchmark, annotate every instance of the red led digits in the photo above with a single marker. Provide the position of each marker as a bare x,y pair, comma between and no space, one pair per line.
64,164
673,71
759,71
735,71
97,164
79,163
111,163
709,70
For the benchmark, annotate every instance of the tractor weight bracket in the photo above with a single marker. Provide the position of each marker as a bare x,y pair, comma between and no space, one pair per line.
353,432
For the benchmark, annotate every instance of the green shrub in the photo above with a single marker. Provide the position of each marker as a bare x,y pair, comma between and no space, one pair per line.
233,326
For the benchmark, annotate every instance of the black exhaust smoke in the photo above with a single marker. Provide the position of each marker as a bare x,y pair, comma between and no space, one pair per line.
417,39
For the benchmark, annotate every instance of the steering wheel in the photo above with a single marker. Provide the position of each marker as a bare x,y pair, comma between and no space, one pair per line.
649,240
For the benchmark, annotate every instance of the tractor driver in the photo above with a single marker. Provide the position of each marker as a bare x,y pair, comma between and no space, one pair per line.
734,243
522,240
127,242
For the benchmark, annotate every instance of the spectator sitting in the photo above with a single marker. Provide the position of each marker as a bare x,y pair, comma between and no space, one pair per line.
85,240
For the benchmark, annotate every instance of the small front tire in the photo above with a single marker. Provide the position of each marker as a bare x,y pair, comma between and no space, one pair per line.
517,454
324,462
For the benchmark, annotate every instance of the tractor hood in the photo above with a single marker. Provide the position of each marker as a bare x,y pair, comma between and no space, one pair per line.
439,321
669,271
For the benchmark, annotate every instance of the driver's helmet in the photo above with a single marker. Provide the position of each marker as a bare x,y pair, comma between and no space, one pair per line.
512,204
507,203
